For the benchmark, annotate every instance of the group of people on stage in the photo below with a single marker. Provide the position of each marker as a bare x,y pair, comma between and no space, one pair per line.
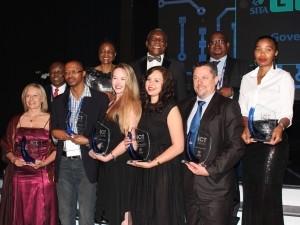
75,153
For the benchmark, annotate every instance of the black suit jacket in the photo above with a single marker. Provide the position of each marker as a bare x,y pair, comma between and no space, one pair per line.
94,108
222,120
176,67
234,71
48,90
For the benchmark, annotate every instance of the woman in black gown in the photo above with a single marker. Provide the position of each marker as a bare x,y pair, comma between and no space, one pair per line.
115,176
157,195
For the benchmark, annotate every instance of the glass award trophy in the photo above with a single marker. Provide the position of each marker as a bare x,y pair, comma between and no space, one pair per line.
139,147
261,123
100,139
199,152
24,152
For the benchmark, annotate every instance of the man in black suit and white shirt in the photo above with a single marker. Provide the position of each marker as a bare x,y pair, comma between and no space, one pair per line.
57,84
157,44
210,185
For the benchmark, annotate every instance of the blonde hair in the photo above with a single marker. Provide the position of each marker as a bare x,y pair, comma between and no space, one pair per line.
129,101
44,105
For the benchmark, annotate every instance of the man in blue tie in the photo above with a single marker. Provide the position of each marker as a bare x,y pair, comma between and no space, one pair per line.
209,177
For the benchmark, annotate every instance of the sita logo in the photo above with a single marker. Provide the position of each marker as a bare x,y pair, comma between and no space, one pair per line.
275,6
258,9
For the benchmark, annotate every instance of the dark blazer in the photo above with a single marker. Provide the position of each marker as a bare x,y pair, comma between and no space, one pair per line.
94,107
48,90
176,67
233,74
222,120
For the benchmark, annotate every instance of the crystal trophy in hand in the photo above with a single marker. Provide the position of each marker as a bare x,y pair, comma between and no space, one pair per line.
139,148
198,150
24,152
100,139
261,123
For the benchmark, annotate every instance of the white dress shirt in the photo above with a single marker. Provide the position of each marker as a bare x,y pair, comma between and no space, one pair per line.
154,62
275,92
195,107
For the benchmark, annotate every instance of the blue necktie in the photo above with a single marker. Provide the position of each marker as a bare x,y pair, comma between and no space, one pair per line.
193,132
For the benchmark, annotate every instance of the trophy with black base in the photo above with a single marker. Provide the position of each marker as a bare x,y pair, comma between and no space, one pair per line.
261,123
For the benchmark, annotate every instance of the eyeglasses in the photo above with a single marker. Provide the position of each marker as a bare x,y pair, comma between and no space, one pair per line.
220,42
73,72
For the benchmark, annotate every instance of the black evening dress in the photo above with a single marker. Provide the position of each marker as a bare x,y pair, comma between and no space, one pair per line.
263,170
158,192
114,182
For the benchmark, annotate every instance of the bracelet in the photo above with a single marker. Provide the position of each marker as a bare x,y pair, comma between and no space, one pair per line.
158,163
281,125
113,157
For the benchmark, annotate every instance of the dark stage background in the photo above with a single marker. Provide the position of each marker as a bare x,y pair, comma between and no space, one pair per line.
35,33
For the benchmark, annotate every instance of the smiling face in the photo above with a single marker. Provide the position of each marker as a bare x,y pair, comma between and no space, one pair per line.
204,81
33,98
74,73
265,51
107,53
56,74
153,85
218,45
118,81
157,42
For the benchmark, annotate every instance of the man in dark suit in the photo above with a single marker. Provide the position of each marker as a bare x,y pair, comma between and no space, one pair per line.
73,115
57,84
230,70
230,73
210,186
157,44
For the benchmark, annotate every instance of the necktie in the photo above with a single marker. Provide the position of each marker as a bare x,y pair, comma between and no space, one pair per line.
195,124
151,58
215,62
55,92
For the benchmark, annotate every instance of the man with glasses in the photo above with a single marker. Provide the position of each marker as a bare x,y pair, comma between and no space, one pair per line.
57,84
230,70
73,115
230,73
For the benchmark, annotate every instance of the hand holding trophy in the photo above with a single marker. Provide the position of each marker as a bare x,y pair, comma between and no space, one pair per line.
28,159
100,139
261,123
139,147
199,151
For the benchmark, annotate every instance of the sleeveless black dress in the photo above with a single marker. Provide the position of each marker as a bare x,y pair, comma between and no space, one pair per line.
114,182
158,192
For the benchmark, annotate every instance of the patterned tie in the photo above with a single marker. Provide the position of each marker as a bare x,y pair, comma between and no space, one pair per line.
151,58
195,124
55,92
